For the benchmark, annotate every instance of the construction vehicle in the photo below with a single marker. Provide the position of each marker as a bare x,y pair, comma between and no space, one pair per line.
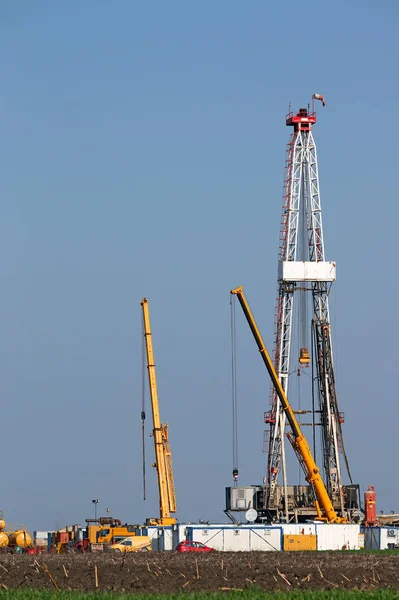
324,507
105,531
163,456
141,543
16,540
19,539
62,541
3,536
114,534
100,533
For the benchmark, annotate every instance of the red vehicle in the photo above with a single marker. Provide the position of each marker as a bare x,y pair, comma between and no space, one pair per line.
188,546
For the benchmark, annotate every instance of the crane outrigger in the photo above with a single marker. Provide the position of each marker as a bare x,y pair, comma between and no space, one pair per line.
324,507
163,456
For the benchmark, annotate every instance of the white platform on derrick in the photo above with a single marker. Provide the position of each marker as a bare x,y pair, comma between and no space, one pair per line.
293,270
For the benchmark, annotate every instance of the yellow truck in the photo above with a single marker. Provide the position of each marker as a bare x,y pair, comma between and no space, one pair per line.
112,535
105,531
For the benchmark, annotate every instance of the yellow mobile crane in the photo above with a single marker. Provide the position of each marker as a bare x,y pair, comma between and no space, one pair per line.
163,456
297,439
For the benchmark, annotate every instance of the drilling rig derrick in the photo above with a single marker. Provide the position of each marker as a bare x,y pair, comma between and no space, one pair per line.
305,276
303,271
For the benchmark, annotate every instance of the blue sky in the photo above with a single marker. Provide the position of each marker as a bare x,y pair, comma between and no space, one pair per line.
142,154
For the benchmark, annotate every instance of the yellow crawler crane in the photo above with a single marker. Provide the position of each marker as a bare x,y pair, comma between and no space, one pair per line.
297,439
163,456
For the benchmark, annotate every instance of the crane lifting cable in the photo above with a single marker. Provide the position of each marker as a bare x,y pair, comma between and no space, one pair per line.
234,390
304,357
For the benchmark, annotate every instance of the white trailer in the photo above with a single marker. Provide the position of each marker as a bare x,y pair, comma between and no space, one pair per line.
231,538
381,538
338,537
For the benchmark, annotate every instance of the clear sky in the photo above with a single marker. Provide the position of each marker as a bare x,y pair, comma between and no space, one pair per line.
142,154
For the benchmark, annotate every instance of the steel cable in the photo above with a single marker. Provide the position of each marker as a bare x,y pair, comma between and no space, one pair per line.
234,387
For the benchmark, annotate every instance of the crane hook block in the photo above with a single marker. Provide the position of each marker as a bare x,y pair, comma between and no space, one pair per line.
235,474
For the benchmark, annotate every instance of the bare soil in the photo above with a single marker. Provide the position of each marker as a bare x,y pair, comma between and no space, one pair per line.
170,572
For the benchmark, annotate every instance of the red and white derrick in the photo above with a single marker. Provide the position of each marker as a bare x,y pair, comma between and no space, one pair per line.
311,274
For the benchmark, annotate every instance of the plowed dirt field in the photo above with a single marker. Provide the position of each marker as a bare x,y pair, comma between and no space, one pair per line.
170,572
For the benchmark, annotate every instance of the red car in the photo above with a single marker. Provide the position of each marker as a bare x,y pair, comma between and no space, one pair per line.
188,546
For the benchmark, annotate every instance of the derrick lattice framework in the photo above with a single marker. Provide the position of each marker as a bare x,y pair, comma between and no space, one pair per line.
302,201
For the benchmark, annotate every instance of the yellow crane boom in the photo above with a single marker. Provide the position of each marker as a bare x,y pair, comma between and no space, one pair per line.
163,456
297,439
